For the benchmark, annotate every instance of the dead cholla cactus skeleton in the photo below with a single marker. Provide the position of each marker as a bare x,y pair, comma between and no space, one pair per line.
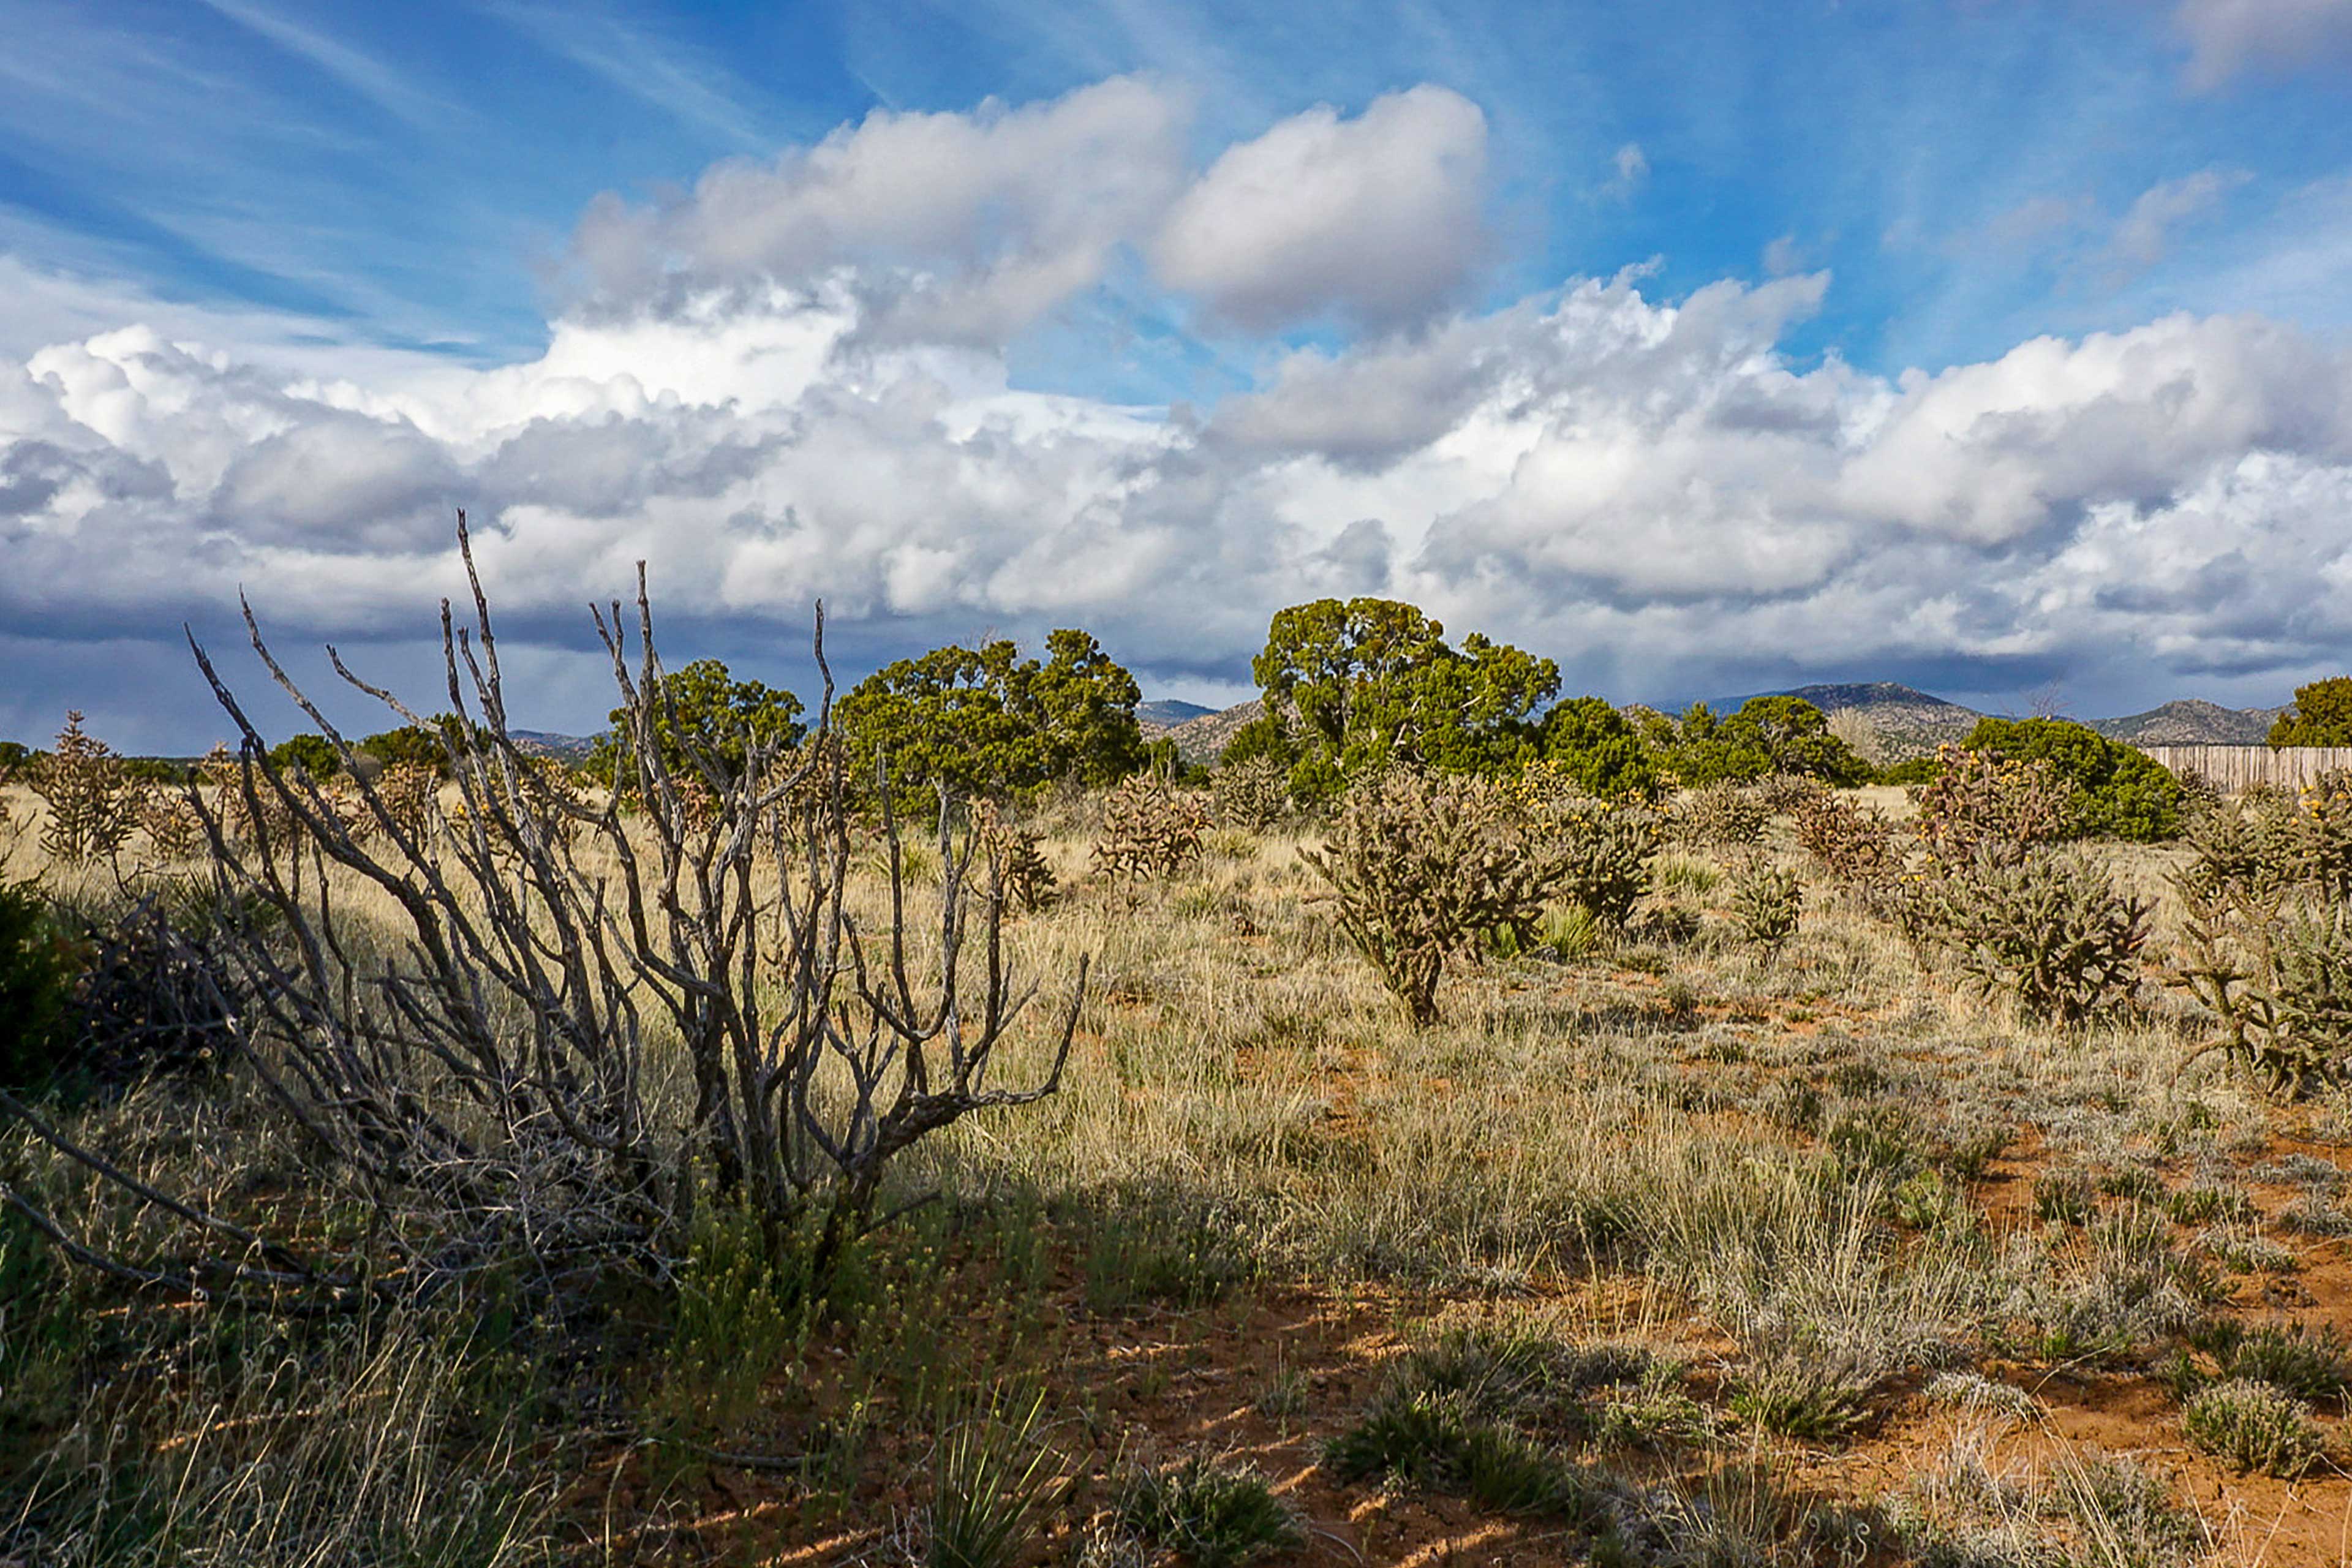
1018,857
489,1077
1418,867
1150,828
90,797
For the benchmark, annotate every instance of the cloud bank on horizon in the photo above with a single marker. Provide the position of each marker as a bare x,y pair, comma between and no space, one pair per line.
1092,357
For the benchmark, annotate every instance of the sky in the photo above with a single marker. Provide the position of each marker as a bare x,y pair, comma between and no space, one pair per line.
2002,347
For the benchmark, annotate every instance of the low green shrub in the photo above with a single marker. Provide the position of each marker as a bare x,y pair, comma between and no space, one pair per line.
2118,791
38,963
2253,1426
1214,1512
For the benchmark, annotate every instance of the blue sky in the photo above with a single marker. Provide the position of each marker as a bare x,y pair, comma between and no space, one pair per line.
440,212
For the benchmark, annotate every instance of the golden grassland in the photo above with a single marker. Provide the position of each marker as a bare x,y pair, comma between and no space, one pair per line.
1792,1256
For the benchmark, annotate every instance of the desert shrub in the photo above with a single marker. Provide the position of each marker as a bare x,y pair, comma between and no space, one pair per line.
2307,1363
2116,791
155,995
1435,1439
1418,867
1798,1396
89,796
1721,814
1214,1512
736,1319
1017,857
1978,800
1149,1249
1767,901
1253,792
2253,1426
2048,929
37,965
1848,839
1150,828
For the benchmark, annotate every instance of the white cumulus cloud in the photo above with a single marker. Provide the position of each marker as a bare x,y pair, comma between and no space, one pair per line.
1376,218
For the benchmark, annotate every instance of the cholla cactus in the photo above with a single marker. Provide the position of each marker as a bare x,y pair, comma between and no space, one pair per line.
1852,842
2323,834
89,796
255,819
1546,787
1018,855
2048,929
1420,868
407,791
173,829
1600,855
2003,805
1722,814
2273,974
1767,900
1255,793
1150,828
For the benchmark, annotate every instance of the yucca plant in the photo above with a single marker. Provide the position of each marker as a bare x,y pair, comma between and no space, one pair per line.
992,1481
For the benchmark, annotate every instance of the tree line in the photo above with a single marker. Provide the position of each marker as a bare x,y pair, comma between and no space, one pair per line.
1347,688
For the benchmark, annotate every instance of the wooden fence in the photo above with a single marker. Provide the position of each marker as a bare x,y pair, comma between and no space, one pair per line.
2235,767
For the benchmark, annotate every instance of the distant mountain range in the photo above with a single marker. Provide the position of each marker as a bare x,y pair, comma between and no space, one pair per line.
1885,720
1159,718
571,749
1900,721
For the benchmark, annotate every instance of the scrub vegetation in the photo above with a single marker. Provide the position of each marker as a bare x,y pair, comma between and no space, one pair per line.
925,1128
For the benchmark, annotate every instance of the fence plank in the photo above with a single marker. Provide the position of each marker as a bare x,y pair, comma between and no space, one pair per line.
2234,768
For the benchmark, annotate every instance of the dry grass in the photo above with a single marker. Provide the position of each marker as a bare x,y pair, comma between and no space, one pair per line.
1800,1180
